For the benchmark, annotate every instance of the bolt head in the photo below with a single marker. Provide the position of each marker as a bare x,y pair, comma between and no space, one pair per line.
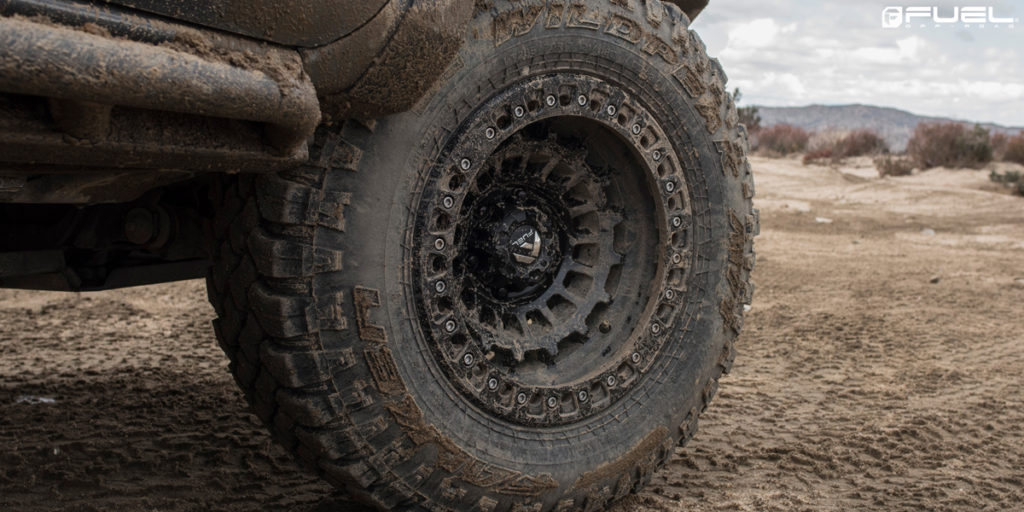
669,294
611,110
583,395
656,155
552,402
635,357
521,398
467,359
519,111
636,129
610,380
450,326
670,186
465,164
448,201
440,287
492,383
550,100
677,221
676,258
582,100
439,244
489,133
655,328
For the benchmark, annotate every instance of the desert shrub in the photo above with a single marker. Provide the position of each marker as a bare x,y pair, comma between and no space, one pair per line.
949,145
782,139
834,148
1012,179
1014,151
819,156
889,165
860,143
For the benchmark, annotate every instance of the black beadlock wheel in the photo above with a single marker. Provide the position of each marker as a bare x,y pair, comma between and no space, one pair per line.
519,295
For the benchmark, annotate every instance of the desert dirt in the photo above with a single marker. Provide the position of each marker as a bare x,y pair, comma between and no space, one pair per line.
880,368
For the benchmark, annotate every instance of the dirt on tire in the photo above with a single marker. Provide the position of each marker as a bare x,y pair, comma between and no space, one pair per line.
879,369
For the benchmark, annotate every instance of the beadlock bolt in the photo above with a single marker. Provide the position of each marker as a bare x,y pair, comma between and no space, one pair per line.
489,132
519,111
440,287
670,186
655,328
610,380
669,294
450,326
610,110
552,402
582,100
677,221
439,244
635,357
656,155
467,359
550,100
583,395
521,398
636,129
448,201
676,258
465,163
492,383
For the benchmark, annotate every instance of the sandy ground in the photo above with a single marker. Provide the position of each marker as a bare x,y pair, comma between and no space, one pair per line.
881,368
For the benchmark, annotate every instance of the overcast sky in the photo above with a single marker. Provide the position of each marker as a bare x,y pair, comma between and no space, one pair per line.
800,52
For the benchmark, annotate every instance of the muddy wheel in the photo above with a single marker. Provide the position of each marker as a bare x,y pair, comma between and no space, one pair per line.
517,296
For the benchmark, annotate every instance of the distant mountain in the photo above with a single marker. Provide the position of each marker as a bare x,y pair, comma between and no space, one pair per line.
895,126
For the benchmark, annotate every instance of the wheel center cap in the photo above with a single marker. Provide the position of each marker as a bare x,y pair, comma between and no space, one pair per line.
522,251
525,246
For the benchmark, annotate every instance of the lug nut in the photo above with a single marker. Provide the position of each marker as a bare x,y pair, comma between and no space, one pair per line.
636,129
552,402
582,100
440,287
492,383
521,398
677,221
519,111
676,258
669,294
448,201
635,357
450,326
467,359
656,155
610,380
610,110
605,327
439,244
550,100
489,132
583,395
655,328
465,164
670,186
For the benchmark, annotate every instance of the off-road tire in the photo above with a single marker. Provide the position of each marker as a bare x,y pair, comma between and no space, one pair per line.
315,280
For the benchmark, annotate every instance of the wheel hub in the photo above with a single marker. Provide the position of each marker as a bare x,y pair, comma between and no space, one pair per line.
517,247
